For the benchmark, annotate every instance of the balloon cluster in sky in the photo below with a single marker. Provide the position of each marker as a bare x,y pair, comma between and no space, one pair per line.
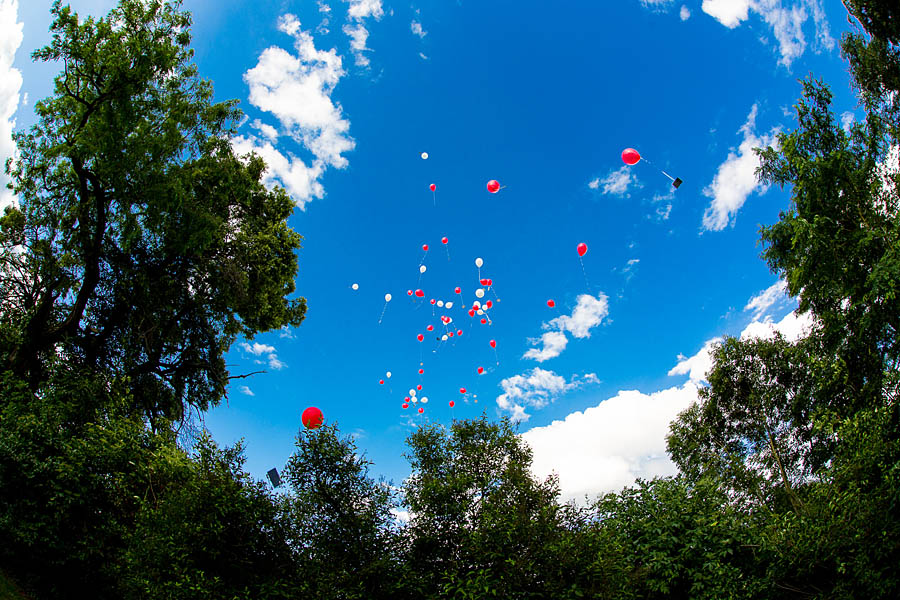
443,325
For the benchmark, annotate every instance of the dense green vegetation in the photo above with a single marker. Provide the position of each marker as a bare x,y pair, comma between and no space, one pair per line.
142,246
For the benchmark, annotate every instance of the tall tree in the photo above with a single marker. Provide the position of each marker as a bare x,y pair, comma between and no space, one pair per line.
142,246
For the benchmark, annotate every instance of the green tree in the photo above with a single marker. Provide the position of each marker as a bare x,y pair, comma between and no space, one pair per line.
142,246
480,524
342,525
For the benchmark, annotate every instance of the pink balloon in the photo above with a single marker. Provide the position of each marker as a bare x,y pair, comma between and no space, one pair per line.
582,249
493,186
630,156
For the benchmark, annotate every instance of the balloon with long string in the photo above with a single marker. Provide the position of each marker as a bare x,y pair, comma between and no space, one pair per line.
446,242
631,157
433,189
387,298
493,344
479,262
582,250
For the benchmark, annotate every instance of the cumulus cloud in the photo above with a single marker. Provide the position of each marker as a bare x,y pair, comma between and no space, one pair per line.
535,389
786,23
10,84
246,391
736,178
588,313
357,13
616,183
697,366
297,89
416,28
847,119
610,445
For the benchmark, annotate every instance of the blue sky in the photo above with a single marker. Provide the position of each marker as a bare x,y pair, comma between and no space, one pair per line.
342,98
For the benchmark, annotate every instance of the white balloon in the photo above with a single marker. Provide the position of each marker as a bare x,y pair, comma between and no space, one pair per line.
480,311
355,286
424,156
387,297
478,262
412,393
476,305
448,305
422,269
479,292
388,374
440,303
444,337
424,399
414,399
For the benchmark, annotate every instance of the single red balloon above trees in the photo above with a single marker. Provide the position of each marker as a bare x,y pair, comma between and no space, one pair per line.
312,418
630,156
493,186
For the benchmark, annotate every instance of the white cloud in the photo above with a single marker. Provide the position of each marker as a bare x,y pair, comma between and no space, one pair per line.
416,28
554,342
786,23
266,130
357,13
257,349
608,446
536,390
616,183
246,390
847,119
10,84
588,313
685,13
297,90
767,298
736,177
697,366
792,326
285,332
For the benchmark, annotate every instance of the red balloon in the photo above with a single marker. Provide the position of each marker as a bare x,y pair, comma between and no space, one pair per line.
420,337
493,343
312,418
489,304
462,390
425,247
430,328
452,404
471,312
449,334
421,371
630,156
381,381
420,294
493,186
419,387
409,292
458,290
480,370
459,332
490,282
483,321
582,249
484,282
421,410
405,405
444,240
551,303
433,301
432,187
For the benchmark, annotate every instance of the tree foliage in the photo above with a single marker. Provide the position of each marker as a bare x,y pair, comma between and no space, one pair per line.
142,245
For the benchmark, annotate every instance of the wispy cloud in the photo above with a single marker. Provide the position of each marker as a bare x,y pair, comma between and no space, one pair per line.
246,391
616,183
785,22
267,354
766,299
357,13
10,84
588,313
297,90
736,178
416,28
535,389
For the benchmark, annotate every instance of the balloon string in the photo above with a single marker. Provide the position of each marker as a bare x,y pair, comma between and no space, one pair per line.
382,313
497,357
447,248
434,198
586,282
667,175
